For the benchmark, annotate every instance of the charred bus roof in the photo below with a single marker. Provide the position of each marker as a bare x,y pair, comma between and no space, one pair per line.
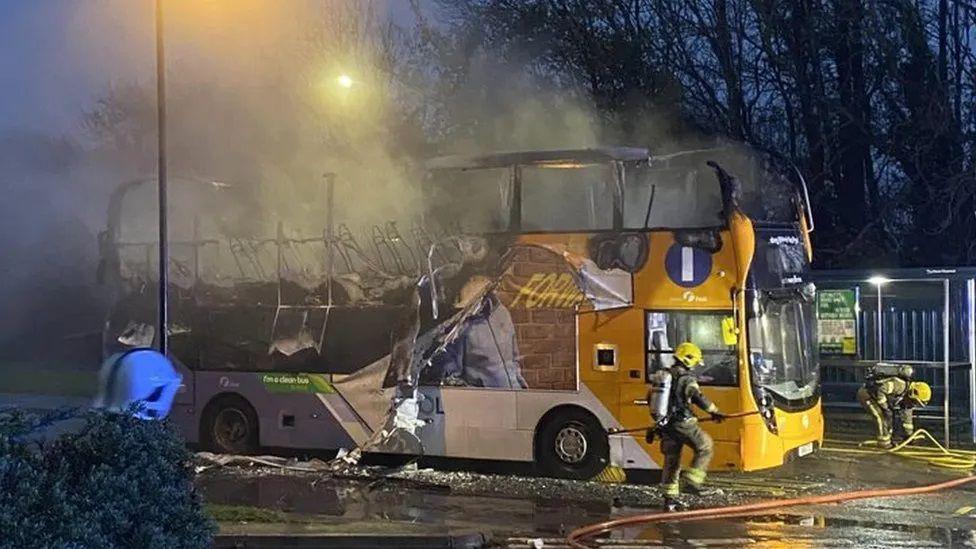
768,190
562,158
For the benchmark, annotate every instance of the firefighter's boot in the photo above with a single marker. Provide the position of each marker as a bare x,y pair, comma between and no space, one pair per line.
695,482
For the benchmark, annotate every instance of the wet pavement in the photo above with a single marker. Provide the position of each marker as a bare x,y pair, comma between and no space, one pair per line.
519,511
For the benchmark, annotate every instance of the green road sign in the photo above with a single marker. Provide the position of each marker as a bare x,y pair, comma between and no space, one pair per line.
836,322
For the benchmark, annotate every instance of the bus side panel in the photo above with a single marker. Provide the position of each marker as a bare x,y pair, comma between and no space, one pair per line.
187,422
475,423
312,424
501,424
184,395
618,390
182,413
493,423
655,287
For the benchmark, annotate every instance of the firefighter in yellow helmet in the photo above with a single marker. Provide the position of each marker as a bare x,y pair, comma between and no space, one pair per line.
678,427
884,396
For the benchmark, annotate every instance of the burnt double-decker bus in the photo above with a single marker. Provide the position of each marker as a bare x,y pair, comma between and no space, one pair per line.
520,319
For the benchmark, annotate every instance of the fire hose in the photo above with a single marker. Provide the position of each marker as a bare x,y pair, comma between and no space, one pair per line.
938,456
615,474
576,537
723,417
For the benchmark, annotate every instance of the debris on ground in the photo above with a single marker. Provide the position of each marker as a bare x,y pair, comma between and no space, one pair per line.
467,483
207,460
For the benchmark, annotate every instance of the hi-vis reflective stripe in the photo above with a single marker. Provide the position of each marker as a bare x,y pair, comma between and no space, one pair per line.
687,264
695,476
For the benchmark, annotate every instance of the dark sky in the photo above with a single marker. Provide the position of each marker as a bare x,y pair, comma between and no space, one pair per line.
57,55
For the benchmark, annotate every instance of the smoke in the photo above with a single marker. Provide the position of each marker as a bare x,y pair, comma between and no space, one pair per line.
257,118
501,106
256,102
56,56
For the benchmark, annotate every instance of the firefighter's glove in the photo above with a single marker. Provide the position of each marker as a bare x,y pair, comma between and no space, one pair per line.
718,417
649,435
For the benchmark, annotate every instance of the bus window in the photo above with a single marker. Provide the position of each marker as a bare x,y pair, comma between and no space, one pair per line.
474,202
667,329
659,189
769,190
579,199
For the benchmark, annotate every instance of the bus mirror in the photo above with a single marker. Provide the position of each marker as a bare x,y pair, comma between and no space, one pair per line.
729,335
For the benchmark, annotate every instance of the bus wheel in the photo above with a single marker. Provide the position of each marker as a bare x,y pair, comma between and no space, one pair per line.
229,426
571,444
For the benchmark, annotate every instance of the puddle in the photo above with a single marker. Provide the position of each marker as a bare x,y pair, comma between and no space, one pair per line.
797,531
365,501
372,504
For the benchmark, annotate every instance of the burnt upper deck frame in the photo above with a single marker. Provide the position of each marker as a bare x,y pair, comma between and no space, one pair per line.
616,158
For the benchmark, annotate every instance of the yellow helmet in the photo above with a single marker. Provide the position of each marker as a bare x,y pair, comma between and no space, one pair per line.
688,354
920,392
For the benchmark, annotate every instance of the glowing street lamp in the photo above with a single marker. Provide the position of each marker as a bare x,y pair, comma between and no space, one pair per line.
345,81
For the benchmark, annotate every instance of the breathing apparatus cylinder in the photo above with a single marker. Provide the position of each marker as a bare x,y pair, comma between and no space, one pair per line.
659,396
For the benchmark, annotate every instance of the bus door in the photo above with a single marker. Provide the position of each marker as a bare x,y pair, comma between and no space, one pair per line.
714,332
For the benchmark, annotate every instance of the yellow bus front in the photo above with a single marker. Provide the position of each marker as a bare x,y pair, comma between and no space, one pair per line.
757,345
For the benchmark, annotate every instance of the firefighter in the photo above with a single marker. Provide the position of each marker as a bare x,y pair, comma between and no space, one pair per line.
672,394
884,396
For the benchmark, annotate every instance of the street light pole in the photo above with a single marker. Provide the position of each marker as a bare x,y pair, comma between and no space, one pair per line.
161,181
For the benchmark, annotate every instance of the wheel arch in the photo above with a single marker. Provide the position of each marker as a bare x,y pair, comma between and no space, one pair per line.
215,401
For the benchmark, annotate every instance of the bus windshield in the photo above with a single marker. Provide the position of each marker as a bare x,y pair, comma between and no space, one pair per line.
781,334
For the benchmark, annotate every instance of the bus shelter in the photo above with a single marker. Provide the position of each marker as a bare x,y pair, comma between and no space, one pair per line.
923,317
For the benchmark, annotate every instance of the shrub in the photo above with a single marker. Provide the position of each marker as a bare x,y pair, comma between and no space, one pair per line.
116,482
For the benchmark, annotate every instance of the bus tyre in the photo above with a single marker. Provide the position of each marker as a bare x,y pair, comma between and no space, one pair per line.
229,426
572,444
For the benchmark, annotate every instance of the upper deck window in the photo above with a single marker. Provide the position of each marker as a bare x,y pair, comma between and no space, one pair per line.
678,198
470,201
683,192
578,199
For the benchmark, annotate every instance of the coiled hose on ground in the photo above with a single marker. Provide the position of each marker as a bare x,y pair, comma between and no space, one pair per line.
937,456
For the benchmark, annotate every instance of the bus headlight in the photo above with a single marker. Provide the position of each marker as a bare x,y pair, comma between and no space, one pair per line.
766,409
